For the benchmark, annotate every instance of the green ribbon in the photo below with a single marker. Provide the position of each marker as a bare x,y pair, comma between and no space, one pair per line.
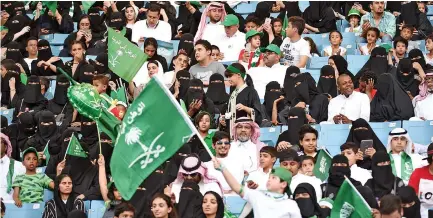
235,71
406,166
10,175
256,57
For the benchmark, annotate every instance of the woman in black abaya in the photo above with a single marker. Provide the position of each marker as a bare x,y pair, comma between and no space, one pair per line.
26,129
378,63
272,93
13,52
406,77
289,83
184,77
340,64
319,16
305,197
217,92
47,132
411,203
85,74
31,99
295,121
60,105
391,101
190,200
89,137
84,177
327,83
44,54
62,142
196,93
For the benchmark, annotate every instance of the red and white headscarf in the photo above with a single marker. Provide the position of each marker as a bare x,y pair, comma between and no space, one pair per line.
8,144
423,90
255,134
204,15
192,164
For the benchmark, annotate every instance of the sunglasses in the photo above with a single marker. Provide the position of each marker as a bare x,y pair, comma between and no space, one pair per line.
221,142
189,175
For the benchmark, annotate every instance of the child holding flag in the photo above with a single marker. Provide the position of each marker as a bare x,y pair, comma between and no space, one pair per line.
251,56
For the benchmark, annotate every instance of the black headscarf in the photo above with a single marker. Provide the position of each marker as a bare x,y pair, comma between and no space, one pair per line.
13,52
306,90
308,206
61,208
391,101
17,23
79,168
47,133
186,44
60,94
337,173
44,54
341,65
184,77
378,63
289,82
102,66
196,94
95,19
294,125
89,132
32,93
262,11
85,74
408,195
408,82
18,8
217,90
4,124
190,200
5,89
327,85
273,92
416,55
77,214
117,21
356,136
383,178
26,128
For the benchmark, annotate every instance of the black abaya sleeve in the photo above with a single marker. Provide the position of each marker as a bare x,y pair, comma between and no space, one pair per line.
254,102
94,192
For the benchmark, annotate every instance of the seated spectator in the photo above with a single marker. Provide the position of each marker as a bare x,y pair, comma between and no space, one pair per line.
349,105
407,32
13,53
429,47
211,198
216,54
371,35
180,62
84,34
378,63
403,160
29,187
100,83
272,94
11,83
290,160
205,66
386,21
327,83
289,82
151,50
418,61
32,51
77,50
319,18
131,12
85,73
232,41
308,137
424,101
47,133
410,202
400,49
335,38
45,85
295,49
117,21
305,197
338,172
217,92
196,100
262,203
45,58
10,169
313,47
391,206
124,209
277,28
391,102
406,76
141,79
60,105
350,150
64,200
31,99
290,138
366,84
257,179
183,77
252,56
151,27
307,165
211,31
251,23
162,206
354,18
421,180
193,170
340,65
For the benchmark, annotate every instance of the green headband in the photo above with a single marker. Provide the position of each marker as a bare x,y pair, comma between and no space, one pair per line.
236,71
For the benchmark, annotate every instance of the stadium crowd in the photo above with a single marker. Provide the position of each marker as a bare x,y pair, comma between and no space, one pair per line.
232,75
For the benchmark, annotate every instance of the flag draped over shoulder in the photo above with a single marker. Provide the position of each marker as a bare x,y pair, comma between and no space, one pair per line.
323,162
350,203
124,58
153,129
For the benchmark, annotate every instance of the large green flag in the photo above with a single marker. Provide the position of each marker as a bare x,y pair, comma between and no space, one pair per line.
349,203
285,25
124,58
86,5
47,153
74,148
51,5
153,129
321,168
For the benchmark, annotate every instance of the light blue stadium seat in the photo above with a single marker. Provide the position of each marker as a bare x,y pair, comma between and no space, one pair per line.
338,24
90,57
31,16
26,211
75,27
344,25
235,204
382,129
8,114
419,44
315,73
333,136
227,62
245,8
303,5
48,195
48,37
175,45
319,39
97,209
55,49
429,10
65,59
349,39
420,132
244,16
275,15
59,39
356,62
317,62
269,135
430,18
52,88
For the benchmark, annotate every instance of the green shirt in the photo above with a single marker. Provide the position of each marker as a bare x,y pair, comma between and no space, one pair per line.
208,140
32,187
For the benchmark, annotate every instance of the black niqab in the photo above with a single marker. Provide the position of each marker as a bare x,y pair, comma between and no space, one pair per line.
217,90
289,82
60,93
184,77
186,44
406,76
190,200
357,135
416,55
308,206
47,133
383,178
337,173
13,52
327,83
117,21
44,54
89,132
304,89
32,93
85,74
273,92
294,125
26,128
378,63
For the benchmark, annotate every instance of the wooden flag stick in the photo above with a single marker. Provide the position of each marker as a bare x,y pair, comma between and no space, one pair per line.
99,138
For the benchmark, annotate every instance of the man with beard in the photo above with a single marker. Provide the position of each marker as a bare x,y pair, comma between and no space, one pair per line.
151,27
423,103
210,30
349,105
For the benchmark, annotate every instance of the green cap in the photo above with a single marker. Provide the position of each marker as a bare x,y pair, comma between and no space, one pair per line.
30,150
195,3
353,11
386,46
3,28
283,174
230,20
273,48
327,202
252,33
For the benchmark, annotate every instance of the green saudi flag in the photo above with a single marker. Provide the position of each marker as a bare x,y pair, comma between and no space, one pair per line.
285,25
153,129
124,58
51,5
323,162
74,148
86,5
350,203
47,153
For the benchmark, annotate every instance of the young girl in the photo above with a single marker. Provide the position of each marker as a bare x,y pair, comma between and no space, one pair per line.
254,57
313,48
429,46
354,17
372,34
335,38
162,207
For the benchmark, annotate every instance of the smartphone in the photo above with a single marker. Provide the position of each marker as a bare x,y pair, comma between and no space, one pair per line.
268,20
366,144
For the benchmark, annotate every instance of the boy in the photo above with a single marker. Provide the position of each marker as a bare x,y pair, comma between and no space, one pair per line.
407,32
400,49
124,210
252,23
45,85
295,49
308,140
29,187
216,55
350,150
354,17
100,82
257,179
271,203
119,110
307,165
253,57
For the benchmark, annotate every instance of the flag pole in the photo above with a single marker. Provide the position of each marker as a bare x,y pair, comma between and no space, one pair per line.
357,192
99,138
67,149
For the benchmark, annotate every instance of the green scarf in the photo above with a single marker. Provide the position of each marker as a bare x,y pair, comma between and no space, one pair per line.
10,175
406,166
256,57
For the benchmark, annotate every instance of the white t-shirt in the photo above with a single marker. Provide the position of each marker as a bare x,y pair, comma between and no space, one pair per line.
359,174
231,46
328,50
19,169
260,178
29,62
261,76
266,205
312,180
364,50
292,51
428,60
162,31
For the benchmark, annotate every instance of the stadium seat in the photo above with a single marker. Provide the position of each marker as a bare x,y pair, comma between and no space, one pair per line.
269,135
244,8
333,136
317,62
65,59
356,62
319,39
97,209
382,130
303,5
26,211
275,15
419,44
429,10
344,25
48,195
315,73
235,204
430,18
55,49
8,114
175,45
52,88
59,39
420,132
75,27
90,57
